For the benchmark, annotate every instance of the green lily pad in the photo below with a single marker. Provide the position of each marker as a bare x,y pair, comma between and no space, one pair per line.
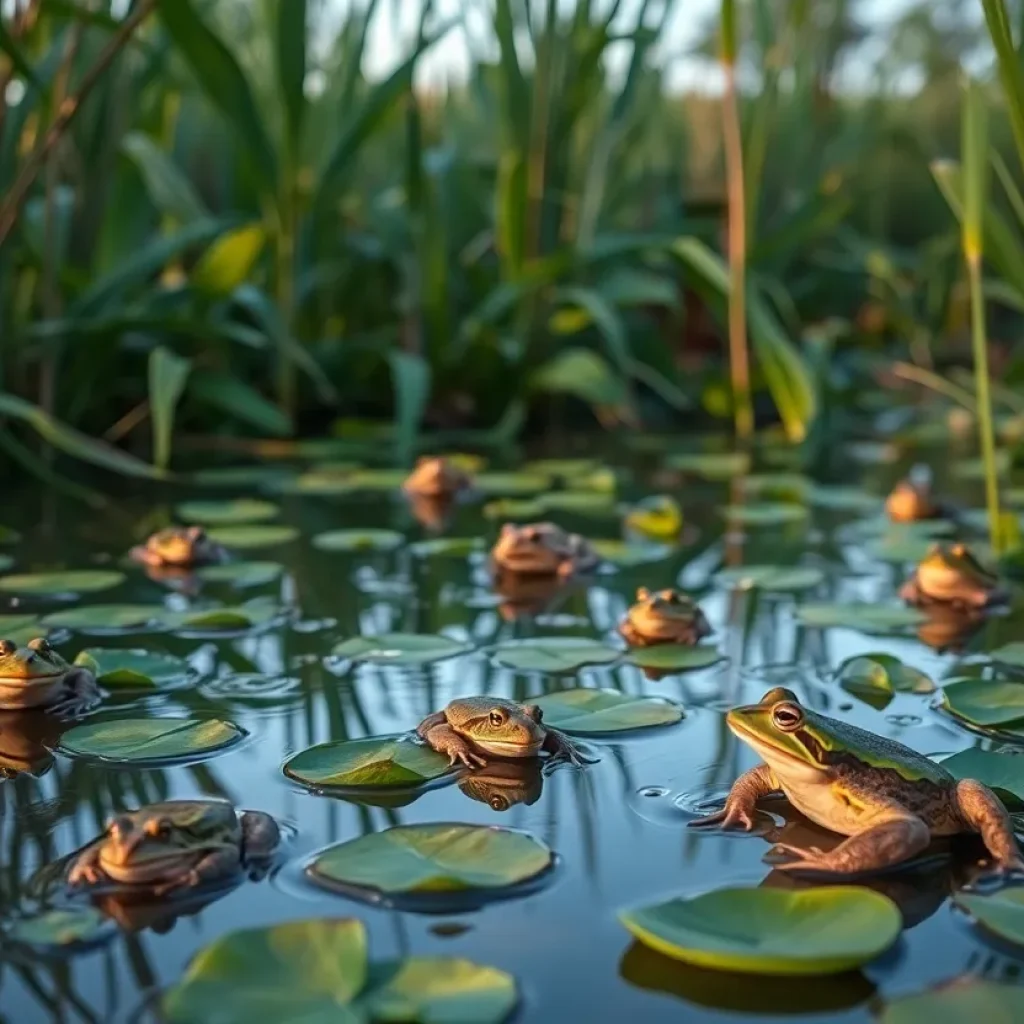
967,998
843,499
240,476
771,577
401,648
1002,773
48,584
374,763
378,479
1001,912
1011,654
673,657
359,540
771,931
589,712
241,574
985,702
873,453
554,654
905,533
765,513
899,547
257,535
627,555
447,547
319,483
115,668
974,468
783,486
240,510
511,484
224,619
20,628
55,930
515,509
583,503
562,469
432,858
882,674
868,618
139,740
103,619
711,465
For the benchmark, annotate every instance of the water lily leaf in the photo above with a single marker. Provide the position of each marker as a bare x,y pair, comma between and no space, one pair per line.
771,577
711,465
974,468
1001,912
432,858
58,929
359,540
239,476
511,484
447,547
301,970
238,617
868,618
882,674
843,499
20,628
241,574
787,487
899,547
626,555
896,533
48,584
1003,773
985,702
240,510
136,740
375,762
115,668
401,648
1011,654
378,479
583,503
319,483
587,711
105,619
561,469
521,510
674,657
771,931
554,654
765,513
259,535
967,998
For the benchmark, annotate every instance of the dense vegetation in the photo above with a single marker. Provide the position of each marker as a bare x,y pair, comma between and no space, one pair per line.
213,225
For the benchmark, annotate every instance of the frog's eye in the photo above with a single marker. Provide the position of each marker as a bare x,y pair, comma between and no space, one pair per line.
497,717
7,647
787,717
195,533
159,828
531,534
40,644
498,803
119,827
534,712
959,550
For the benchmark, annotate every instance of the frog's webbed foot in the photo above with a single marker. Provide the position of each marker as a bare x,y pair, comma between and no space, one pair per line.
983,812
81,694
741,804
445,740
562,748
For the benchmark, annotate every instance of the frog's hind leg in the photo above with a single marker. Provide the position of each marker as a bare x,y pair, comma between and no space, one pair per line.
562,748
217,865
81,693
983,813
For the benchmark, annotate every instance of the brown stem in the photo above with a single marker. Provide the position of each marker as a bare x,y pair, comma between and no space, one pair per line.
22,22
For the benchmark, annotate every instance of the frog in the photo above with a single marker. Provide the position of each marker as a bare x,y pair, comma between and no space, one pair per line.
664,617
887,798
176,845
543,549
951,574
179,547
470,729
436,477
657,518
36,676
911,501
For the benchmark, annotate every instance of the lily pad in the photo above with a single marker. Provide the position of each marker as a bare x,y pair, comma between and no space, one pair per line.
786,487
583,503
512,484
843,499
240,476
1011,654
55,930
20,628
434,858
225,619
985,702
447,547
771,931
674,657
710,465
49,584
374,763
258,535
882,674
106,619
765,513
139,740
517,509
589,712
771,577
625,555
115,668
319,483
401,648
358,540
1001,912
868,618
968,998
899,547
241,574
378,479
1003,773
554,654
240,510
562,469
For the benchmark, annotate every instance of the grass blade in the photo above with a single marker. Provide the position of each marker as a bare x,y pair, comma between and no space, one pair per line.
291,67
167,376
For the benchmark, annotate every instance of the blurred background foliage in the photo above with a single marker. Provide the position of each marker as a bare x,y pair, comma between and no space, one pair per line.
215,226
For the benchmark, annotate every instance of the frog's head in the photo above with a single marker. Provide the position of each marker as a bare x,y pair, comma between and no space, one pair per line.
910,501
540,548
37,662
668,615
180,545
667,604
435,476
953,569
498,726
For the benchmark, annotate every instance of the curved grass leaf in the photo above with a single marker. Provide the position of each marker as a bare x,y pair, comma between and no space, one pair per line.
169,190
167,376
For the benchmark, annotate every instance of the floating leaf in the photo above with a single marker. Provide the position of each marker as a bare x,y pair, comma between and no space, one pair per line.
136,740
241,574
401,648
868,618
964,999
511,484
319,483
1011,654
673,657
359,540
258,535
771,577
711,466
583,503
765,513
555,654
561,469
376,762
447,547
1001,772
843,499
882,674
626,555
19,629
1000,912
55,930
899,547
104,619
985,702
432,858
771,931
240,476
521,510
49,584
240,510
784,486
126,669
596,711
239,617
378,479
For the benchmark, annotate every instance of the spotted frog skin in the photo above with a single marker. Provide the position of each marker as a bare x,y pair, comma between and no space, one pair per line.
36,676
890,800
664,617
911,502
543,549
179,547
950,574
175,845
435,477
470,729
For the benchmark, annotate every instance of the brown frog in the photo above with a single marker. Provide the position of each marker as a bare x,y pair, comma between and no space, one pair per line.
178,547
951,574
543,549
664,617
36,676
436,477
911,501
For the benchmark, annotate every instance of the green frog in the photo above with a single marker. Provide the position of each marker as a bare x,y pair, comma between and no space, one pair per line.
887,798
178,547
436,477
177,844
664,617
36,676
470,728
543,549
951,574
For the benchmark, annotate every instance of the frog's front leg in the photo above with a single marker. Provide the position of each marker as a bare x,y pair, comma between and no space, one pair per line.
882,846
81,692
741,803
562,748
213,866
86,867
982,812
436,731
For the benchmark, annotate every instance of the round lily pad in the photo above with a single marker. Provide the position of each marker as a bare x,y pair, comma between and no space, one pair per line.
554,654
985,702
882,673
240,510
868,618
967,998
139,740
1011,654
49,584
516,509
400,648
107,619
674,657
20,628
562,469
57,930
378,479
1000,912
258,535
627,555
771,931
1002,773
241,574
710,465
765,513
372,763
899,547
582,503
432,858
359,540
511,484
225,619
771,577
843,499
588,712
115,668
447,547
240,476
319,483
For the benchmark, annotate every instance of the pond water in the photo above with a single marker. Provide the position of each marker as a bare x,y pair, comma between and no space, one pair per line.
618,827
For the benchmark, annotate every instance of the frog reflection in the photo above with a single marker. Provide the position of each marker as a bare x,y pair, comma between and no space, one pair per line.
503,784
525,597
432,512
26,739
950,630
